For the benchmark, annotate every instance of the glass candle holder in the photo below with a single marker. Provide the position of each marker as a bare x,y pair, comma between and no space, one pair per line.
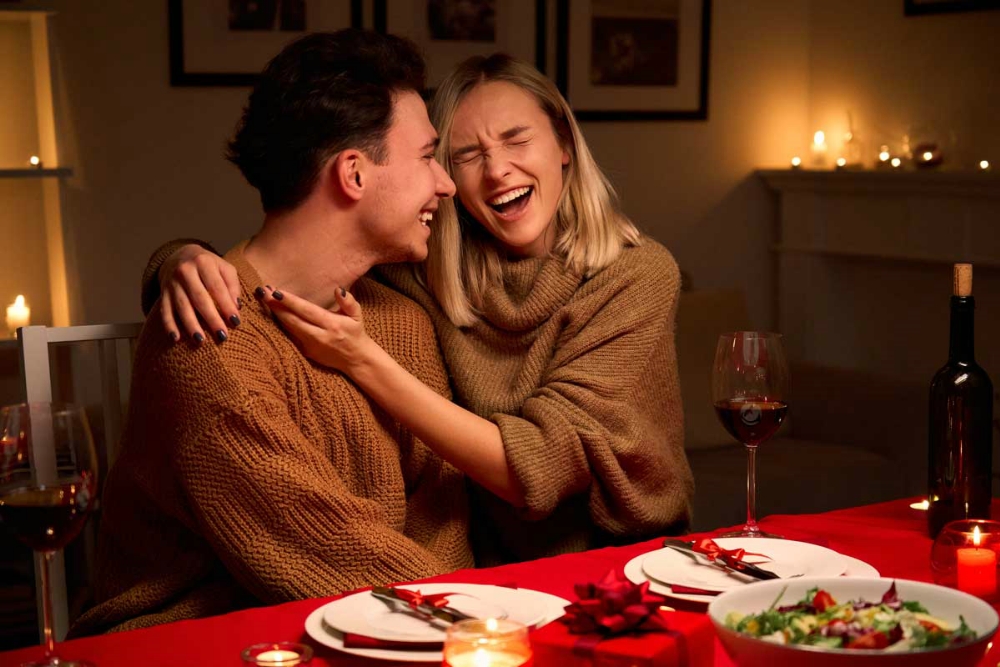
965,556
277,654
487,643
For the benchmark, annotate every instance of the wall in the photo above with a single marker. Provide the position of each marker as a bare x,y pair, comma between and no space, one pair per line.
148,165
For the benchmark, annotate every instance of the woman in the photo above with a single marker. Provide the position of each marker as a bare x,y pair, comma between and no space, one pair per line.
554,315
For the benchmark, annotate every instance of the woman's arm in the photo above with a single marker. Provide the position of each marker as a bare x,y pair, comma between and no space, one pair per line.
338,340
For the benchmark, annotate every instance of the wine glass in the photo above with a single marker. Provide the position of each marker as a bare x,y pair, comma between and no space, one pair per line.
48,486
749,387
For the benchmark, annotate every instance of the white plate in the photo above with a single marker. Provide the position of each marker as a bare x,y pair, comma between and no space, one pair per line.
554,608
786,558
634,573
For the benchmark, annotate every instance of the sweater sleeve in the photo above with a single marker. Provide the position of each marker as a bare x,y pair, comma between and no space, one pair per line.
150,290
275,508
606,421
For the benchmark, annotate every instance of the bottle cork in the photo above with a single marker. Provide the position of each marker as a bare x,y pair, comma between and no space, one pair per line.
962,285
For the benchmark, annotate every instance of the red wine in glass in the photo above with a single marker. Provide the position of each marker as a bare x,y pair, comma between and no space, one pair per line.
749,387
48,487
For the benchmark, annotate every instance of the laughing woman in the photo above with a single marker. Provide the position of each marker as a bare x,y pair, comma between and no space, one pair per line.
555,317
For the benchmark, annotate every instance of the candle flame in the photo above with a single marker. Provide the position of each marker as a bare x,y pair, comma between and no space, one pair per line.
976,536
884,156
491,625
481,658
841,162
34,160
796,161
984,164
927,156
896,162
19,301
819,137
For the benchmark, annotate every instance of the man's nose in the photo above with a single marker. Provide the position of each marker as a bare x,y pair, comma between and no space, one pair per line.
445,187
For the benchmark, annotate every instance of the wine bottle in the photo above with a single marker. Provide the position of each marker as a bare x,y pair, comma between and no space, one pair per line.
960,452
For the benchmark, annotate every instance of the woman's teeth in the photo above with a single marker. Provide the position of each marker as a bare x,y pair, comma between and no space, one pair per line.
426,217
508,197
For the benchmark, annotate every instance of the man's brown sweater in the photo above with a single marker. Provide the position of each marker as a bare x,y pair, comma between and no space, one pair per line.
249,475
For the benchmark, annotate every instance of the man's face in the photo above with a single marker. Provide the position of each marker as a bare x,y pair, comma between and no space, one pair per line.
408,186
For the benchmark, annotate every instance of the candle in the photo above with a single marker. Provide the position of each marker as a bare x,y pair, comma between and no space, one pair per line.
35,161
482,657
977,568
984,165
895,162
796,162
487,643
18,315
818,148
280,654
923,505
841,162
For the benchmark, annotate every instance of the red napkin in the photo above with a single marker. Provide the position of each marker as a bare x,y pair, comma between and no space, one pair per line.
363,641
689,590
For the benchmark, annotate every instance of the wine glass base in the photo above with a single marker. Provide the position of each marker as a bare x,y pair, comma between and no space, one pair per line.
743,532
54,661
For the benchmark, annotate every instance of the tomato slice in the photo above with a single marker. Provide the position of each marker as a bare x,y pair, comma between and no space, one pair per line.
871,640
930,626
823,601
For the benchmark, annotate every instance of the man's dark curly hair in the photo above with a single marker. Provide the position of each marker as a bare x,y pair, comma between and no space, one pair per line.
322,94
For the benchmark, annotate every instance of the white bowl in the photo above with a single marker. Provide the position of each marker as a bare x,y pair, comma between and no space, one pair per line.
944,603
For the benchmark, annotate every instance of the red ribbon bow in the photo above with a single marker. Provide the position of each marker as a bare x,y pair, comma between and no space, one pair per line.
614,606
416,598
713,551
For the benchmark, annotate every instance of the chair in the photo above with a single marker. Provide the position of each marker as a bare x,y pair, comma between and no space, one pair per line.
115,346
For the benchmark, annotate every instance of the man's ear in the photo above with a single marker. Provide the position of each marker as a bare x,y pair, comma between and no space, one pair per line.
349,173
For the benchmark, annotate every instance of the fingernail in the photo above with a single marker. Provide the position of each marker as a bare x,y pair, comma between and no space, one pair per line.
198,338
277,295
343,292
234,320
221,336
258,293
173,336
239,303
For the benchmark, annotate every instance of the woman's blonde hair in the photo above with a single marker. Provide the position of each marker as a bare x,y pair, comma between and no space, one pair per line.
464,258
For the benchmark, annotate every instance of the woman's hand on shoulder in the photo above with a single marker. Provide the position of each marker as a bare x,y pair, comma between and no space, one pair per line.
196,283
334,339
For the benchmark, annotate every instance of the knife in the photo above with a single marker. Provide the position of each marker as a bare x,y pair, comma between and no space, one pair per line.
446,614
739,567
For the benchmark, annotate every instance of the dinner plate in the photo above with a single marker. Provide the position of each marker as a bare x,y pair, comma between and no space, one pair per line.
323,634
634,573
786,558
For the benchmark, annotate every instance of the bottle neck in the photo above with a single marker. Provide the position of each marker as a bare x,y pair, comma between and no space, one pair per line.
963,317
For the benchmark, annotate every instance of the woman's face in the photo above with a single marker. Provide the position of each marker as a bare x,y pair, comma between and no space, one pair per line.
508,166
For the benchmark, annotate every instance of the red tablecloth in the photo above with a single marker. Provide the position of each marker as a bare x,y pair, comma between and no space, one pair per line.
890,536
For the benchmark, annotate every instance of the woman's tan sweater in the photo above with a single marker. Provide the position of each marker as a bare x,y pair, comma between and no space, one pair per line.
249,475
580,375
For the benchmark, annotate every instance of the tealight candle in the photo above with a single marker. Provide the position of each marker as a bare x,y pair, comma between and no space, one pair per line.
35,161
984,165
895,162
488,643
977,568
923,505
18,315
279,654
796,162
841,162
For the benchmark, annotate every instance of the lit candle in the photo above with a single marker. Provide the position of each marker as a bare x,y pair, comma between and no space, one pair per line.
489,643
984,165
796,162
841,162
278,658
18,315
923,505
35,161
483,657
977,568
277,654
819,148
895,162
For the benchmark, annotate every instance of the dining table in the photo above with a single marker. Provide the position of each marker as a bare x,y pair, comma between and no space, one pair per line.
891,536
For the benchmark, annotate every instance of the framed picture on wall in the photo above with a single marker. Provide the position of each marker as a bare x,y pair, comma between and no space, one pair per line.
920,7
637,60
228,42
449,31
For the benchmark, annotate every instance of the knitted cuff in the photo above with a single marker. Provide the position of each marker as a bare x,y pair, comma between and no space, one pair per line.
150,290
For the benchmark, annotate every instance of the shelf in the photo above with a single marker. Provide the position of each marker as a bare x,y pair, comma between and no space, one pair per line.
48,172
882,256
925,183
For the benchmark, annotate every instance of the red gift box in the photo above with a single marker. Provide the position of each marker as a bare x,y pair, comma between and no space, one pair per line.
689,641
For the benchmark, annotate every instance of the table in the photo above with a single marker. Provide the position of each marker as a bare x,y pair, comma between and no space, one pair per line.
891,536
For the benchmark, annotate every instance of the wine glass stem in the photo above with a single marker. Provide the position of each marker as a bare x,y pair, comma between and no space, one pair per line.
751,525
49,643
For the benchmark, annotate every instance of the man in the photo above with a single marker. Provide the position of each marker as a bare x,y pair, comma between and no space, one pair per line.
247,474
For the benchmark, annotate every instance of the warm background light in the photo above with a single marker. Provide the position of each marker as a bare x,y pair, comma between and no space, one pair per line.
984,165
841,162
896,162
797,161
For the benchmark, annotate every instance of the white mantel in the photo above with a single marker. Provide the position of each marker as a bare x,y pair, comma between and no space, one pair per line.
863,265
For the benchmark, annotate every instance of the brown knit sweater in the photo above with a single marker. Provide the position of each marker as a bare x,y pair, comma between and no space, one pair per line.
249,475
580,375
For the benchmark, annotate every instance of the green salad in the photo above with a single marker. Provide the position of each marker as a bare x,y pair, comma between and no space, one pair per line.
819,620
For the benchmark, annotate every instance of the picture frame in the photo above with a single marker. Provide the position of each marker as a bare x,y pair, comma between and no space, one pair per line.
925,7
214,44
446,40
634,61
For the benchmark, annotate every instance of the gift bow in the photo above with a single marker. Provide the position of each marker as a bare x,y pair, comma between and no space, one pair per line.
415,598
713,551
614,606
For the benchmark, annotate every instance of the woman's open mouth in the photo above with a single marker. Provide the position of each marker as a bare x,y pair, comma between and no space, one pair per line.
512,201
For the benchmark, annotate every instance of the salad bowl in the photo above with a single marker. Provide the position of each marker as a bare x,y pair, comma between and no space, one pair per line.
902,623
